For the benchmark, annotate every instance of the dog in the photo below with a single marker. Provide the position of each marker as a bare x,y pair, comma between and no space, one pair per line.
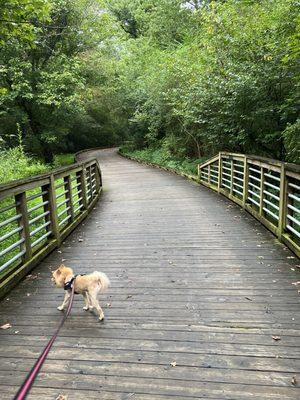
87,285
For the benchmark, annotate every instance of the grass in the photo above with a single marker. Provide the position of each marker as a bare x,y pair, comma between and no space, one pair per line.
164,159
15,164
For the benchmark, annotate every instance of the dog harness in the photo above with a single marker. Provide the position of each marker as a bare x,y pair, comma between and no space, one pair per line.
68,285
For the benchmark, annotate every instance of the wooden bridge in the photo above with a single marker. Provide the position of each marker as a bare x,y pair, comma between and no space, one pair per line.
202,303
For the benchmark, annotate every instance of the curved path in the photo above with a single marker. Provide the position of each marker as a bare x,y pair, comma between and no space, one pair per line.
201,305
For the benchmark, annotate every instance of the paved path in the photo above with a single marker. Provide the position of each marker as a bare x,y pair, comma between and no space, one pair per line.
199,288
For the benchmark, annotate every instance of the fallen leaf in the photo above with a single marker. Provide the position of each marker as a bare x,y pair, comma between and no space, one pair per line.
31,277
276,338
5,326
62,397
248,298
294,381
173,364
108,304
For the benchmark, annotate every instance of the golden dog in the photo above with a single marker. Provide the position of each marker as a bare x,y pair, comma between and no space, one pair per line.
87,285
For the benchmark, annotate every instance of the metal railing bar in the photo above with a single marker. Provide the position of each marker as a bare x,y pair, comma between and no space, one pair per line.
228,187
63,211
61,194
11,233
256,170
238,185
7,208
296,221
62,203
272,186
271,195
11,219
78,208
11,247
254,177
32,233
33,220
294,197
289,227
226,174
64,220
12,260
253,201
239,179
237,191
37,206
41,238
294,186
271,204
276,178
270,213
59,185
254,194
35,196
296,210
252,185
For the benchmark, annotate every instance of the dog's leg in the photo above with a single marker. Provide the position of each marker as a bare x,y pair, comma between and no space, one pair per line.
65,302
95,303
86,301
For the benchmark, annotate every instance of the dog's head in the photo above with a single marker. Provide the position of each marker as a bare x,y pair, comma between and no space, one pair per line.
59,276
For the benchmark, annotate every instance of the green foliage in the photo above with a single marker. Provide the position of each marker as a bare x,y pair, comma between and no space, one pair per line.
228,81
63,159
14,164
17,19
192,77
162,157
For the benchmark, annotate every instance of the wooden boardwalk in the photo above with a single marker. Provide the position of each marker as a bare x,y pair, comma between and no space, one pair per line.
199,291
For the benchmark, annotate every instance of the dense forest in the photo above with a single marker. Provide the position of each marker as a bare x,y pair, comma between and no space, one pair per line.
189,78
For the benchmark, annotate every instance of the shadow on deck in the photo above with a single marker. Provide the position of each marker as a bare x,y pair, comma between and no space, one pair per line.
199,291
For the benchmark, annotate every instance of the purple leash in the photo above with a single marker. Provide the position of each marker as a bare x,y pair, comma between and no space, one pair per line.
24,389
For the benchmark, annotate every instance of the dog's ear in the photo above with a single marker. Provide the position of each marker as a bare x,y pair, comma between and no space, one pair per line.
58,271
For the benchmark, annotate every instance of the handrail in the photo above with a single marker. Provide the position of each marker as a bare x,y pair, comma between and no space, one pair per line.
37,213
267,189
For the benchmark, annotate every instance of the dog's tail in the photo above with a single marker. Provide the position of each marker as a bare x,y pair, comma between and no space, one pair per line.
102,279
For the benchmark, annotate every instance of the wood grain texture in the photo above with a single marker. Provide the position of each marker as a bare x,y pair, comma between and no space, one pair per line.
196,281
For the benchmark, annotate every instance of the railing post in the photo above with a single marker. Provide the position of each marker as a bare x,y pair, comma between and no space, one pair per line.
246,181
262,188
231,177
282,202
21,208
208,173
67,181
220,172
81,180
50,196
98,178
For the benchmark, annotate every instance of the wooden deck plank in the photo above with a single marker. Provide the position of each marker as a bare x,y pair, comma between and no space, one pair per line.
195,280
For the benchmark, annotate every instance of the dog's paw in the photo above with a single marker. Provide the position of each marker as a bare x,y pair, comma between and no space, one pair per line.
101,318
85,308
60,308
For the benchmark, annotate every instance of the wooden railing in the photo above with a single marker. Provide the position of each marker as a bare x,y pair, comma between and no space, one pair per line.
268,189
37,213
